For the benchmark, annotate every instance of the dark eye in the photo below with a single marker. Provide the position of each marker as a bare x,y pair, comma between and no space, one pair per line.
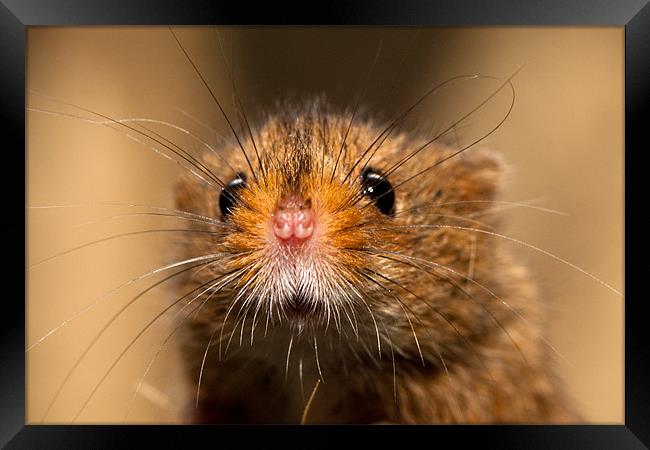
230,194
379,189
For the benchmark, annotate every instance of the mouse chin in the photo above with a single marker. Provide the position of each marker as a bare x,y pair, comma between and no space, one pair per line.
304,309
301,289
301,310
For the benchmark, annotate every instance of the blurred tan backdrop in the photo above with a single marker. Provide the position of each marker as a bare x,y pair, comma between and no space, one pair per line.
563,140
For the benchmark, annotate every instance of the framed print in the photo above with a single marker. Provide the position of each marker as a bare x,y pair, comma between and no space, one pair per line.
384,216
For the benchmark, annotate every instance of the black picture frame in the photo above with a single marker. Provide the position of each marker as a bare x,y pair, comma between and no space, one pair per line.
634,15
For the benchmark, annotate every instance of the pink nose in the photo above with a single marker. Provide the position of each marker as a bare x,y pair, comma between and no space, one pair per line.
293,220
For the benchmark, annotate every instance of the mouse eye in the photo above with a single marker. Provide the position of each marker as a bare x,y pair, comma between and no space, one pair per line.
379,189
230,194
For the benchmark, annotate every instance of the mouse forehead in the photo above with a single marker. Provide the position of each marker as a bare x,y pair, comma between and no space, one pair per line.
308,151
335,145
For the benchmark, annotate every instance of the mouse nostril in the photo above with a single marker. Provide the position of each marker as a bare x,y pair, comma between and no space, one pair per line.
293,224
293,221
304,224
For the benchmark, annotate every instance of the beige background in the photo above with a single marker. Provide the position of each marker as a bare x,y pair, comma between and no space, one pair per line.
563,140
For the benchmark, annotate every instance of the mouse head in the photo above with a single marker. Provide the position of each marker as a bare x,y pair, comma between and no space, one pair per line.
325,224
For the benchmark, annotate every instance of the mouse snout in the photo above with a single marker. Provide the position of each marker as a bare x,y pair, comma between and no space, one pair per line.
293,220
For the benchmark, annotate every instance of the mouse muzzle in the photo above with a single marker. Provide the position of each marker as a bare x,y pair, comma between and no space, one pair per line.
293,220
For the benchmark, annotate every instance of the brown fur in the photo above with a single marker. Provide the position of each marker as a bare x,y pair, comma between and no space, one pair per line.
450,352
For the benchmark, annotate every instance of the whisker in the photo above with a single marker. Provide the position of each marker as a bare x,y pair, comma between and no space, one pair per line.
232,304
128,205
460,218
415,336
358,196
254,321
403,115
188,157
140,333
436,346
437,311
232,333
161,347
507,82
525,244
372,316
471,280
371,354
456,153
472,258
243,323
202,125
317,359
205,356
223,113
354,325
139,120
490,313
512,204
127,283
286,366
302,385
136,130
231,69
356,107
255,292
101,332
392,358
213,222
121,235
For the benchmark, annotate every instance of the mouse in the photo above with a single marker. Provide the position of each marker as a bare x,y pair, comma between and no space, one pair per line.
349,263
329,265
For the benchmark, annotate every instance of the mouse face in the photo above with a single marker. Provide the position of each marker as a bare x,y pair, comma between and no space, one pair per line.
332,248
329,227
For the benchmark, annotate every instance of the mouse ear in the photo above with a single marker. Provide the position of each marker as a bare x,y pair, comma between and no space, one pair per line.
191,195
484,170
472,179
